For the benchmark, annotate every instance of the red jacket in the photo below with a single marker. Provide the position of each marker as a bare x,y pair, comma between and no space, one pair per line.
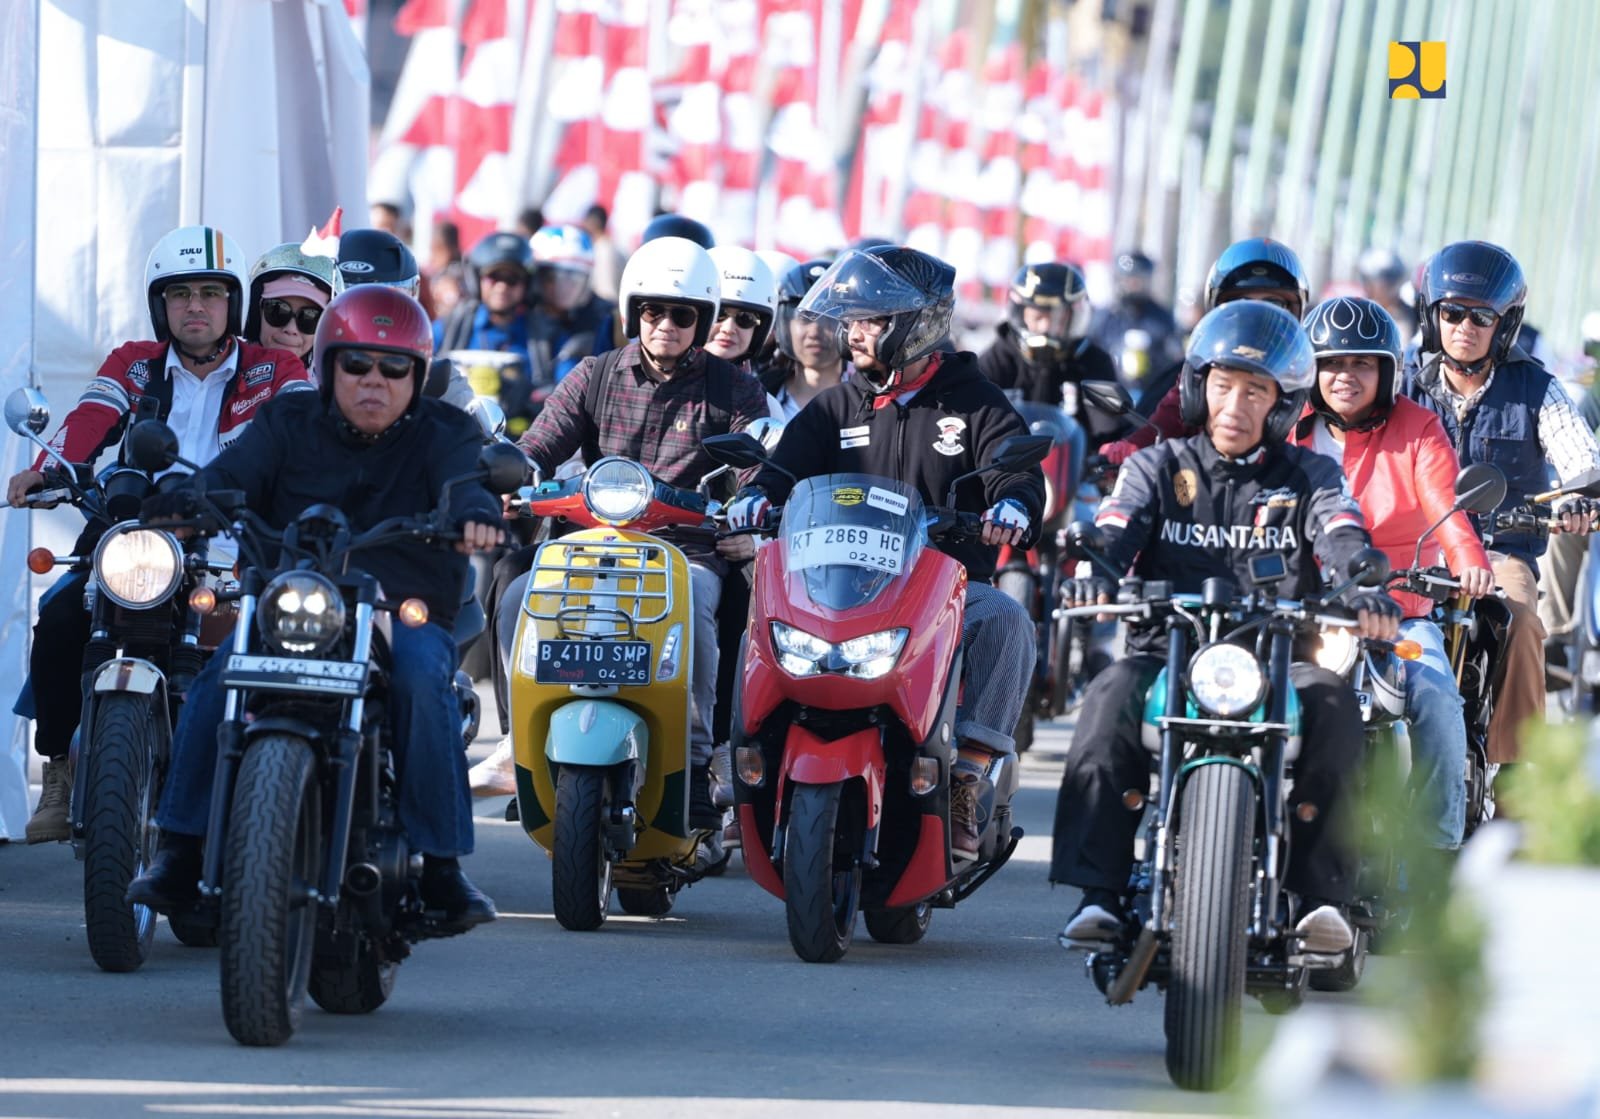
1403,473
99,418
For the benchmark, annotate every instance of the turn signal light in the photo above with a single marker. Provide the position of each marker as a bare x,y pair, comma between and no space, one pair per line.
1408,650
1133,800
924,776
1306,811
413,612
751,765
41,561
202,600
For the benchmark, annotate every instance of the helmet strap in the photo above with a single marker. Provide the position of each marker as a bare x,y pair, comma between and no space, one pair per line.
1477,368
205,359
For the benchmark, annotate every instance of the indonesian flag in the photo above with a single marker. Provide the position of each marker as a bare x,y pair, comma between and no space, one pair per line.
416,155
491,32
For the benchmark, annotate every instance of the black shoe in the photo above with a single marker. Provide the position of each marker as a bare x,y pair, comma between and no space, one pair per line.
172,880
1098,919
446,889
702,813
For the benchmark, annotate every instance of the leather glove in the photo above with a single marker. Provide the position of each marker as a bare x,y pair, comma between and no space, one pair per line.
1119,452
174,505
748,509
1087,591
1383,614
1578,515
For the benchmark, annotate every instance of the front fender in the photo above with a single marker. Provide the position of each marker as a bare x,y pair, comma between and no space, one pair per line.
596,732
810,760
129,674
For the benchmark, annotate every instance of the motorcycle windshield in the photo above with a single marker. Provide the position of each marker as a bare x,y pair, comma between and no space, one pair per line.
848,536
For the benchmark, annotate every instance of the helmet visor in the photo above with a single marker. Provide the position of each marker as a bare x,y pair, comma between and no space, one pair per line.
861,286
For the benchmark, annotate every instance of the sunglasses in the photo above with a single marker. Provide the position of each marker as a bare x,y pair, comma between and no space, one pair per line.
1453,313
277,313
509,279
394,367
744,320
682,317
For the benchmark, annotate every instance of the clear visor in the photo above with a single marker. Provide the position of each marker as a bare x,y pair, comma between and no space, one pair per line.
860,286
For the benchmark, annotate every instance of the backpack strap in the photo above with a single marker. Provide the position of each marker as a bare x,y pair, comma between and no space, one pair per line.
719,395
594,403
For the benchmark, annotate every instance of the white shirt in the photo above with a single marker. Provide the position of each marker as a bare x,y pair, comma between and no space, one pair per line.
196,412
1323,442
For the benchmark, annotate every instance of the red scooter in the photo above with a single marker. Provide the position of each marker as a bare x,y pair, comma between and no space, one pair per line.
843,730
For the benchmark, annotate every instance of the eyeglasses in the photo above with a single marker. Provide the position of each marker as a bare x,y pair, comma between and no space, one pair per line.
1453,313
358,363
744,320
682,317
182,293
509,279
278,313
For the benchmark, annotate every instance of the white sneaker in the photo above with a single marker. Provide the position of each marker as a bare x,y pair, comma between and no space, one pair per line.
1324,932
1091,924
495,775
722,776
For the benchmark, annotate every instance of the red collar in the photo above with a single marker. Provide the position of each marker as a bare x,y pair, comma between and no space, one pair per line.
893,393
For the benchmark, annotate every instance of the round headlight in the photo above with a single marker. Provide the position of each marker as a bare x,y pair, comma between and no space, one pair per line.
1336,650
617,490
137,567
301,612
1226,680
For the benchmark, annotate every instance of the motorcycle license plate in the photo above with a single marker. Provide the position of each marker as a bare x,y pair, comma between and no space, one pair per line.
295,674
593,662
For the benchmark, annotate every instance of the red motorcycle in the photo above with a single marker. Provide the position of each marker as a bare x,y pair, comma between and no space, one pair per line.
843,730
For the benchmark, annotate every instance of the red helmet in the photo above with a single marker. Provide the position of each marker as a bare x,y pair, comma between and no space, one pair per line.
373,317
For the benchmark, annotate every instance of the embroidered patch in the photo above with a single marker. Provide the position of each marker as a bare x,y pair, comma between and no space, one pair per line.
256,374
854,437
1185,487
139,373
949,441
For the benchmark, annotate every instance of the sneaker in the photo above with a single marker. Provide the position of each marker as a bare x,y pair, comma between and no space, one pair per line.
49,823
963,816
711,858
1323,931
722,776
495,775
1096,921
732,837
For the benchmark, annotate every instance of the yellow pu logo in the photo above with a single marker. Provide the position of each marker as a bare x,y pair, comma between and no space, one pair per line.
1416,71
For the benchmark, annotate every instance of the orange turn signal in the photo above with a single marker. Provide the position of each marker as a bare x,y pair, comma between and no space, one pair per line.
1408,650
752,767
202,600
924,776
41,561
413,612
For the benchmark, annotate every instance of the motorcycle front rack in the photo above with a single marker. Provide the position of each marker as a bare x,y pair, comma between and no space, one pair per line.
599,588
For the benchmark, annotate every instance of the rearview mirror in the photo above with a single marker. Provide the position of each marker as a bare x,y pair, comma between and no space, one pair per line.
152,446
490,416
1480,488
768,431
27,412
1368,568
1587,484
738,449
1022,451
1107,396
505,468
1083,537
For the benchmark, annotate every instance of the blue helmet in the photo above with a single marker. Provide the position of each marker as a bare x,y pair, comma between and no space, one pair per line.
1473,270
1258,338
1257,264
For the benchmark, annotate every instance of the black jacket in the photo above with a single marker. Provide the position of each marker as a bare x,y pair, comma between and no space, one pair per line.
952,425
1183,512
1053,382
298,453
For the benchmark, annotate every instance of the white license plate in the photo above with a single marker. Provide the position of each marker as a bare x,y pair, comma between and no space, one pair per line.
295,674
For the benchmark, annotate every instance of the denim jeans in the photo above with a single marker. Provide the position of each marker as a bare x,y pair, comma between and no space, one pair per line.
435,806
1438,738
997,667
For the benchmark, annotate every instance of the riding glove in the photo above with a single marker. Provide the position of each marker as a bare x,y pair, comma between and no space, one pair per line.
1087,591
748,509
1008,513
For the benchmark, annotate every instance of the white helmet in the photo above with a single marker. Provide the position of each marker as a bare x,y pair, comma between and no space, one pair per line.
194,252
671,270
747,285
778,263
562,246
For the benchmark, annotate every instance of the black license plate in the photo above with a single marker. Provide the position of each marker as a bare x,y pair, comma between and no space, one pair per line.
593,662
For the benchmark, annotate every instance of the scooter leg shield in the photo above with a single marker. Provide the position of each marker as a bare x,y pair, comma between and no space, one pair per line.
596,732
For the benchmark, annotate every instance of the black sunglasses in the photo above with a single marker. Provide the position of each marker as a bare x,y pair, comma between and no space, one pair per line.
277,313
744,320
1453,313
395,367
682,317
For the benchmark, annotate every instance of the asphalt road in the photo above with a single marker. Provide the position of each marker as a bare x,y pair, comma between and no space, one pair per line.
705,1013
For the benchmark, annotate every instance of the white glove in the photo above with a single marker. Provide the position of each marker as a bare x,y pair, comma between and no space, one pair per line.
1008,513
748,511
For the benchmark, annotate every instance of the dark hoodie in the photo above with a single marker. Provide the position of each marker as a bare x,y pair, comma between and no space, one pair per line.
951,426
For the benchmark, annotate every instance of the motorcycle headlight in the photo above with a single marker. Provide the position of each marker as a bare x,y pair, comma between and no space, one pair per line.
865,658
1336,650
301,612
1226,680
617,490
799,653
137,567
871,656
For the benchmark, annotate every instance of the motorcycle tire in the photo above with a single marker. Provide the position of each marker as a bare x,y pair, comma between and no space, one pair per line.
1210,927
1019,586
821,876
645,902
193,932
272,861
1064,677
899,926
357,985
1348,974
580,872
119,835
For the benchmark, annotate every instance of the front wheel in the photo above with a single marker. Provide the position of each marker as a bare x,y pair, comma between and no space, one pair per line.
580,871
821,876
899,926
271,864
1210,926
119,836
1021,588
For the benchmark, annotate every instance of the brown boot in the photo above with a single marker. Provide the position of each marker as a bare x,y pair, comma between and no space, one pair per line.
49,823
963,816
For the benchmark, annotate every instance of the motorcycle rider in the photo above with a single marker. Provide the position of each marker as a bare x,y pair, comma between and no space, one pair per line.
653,401
923,414
1198,507
208,384
810,357
1382,275
1500,406
372,445
376,256
1399,462
749,297
567,315
1042,352
289,289
1138,332
499,269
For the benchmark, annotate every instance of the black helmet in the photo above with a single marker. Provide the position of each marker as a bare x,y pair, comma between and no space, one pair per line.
1048,287
1473,270
1134,263
1352,325
1381,266
1259,338
373,256
1254,264
676,225
914,291
494,250
792,288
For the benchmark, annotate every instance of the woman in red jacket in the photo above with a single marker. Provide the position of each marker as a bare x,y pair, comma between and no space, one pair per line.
1402,469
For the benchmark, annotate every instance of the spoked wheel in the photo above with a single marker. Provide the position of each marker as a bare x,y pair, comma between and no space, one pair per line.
899,926
270,869
119,835
821,875
580,871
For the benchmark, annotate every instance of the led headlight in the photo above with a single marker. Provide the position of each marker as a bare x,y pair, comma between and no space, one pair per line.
301,612
865,658
617,490
799,653
871,656
137,567
1336,649
1226,680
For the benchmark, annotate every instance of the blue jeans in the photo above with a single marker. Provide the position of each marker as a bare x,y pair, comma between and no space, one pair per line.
1438,738
435,805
